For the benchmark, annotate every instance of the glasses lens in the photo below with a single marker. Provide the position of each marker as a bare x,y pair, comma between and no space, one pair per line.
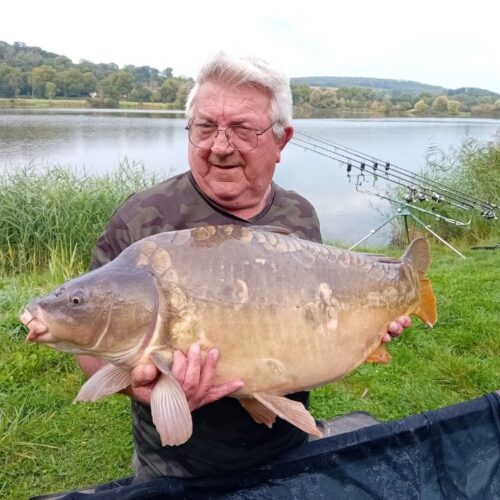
203,135
242,138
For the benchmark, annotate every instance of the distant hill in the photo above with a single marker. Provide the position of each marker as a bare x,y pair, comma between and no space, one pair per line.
393,86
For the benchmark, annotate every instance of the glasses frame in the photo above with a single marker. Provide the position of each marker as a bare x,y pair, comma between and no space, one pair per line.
217,130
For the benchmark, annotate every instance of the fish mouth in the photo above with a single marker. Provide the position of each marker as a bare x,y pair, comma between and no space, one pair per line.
37,330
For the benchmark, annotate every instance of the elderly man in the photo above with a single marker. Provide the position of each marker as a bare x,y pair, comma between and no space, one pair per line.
239,113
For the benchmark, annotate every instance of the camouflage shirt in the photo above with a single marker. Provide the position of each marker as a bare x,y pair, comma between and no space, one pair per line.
225,438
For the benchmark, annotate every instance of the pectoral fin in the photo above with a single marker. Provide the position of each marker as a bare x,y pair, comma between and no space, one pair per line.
104,382
379,355
169,406
289,410
260,413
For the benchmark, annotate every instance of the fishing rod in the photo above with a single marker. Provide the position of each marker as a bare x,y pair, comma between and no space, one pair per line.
414,188
388,165
419,188
449,220
468,198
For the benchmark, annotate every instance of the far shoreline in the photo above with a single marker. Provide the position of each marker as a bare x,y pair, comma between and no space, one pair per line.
156,107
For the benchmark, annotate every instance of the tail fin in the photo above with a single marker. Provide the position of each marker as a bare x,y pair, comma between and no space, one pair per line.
418,255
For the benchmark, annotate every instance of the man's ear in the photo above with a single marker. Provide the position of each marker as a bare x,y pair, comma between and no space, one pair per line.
287,135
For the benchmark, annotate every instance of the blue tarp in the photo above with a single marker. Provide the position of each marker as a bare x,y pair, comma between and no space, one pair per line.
450,453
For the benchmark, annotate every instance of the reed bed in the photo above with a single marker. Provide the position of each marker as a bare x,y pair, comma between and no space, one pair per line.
50,217
472,168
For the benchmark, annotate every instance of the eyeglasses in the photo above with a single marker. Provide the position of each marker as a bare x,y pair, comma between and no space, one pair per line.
203,135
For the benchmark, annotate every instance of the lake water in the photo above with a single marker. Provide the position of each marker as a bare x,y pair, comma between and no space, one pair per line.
96,141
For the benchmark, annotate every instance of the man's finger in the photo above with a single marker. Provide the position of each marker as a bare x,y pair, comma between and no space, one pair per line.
219,391
208,371
404,321
144,374
179,365
395,328
193,369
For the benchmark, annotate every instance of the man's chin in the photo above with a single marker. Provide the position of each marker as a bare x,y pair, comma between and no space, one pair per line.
226,191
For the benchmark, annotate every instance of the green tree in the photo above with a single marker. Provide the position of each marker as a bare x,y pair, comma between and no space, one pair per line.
453,107
11,80
116,86
140,94
440,104
89,82
72,82
107,90
124,83
169,88
50,90
323,97
39,77
182,94
300,94
420,107
386,104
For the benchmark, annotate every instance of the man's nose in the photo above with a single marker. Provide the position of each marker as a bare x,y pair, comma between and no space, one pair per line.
221,144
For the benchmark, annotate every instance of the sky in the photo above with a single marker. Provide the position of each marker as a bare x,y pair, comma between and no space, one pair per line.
440,42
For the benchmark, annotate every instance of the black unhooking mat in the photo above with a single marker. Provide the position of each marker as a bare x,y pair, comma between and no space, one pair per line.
450,453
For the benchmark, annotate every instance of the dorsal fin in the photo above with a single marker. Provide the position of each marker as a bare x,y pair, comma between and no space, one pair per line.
418,254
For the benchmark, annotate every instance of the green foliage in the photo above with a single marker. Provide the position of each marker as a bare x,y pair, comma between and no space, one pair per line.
300,94
50,90
388,97
25,72
51,215
440,104
39,78
471,169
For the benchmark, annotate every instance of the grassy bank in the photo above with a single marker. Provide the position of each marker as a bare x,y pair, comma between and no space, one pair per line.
80,103
47,444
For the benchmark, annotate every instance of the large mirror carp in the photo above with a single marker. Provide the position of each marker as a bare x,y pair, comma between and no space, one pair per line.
286,315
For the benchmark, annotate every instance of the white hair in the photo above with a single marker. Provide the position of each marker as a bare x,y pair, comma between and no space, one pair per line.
248,71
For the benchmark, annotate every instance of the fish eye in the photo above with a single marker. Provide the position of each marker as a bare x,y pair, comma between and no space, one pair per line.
76,299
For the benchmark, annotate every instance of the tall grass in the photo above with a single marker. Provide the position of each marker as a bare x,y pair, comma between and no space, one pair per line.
473,168
51,217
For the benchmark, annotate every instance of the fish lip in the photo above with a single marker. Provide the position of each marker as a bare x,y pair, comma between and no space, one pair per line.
37,330
26,317
39,336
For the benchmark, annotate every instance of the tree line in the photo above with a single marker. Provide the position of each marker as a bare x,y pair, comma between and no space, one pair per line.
309,100
32,72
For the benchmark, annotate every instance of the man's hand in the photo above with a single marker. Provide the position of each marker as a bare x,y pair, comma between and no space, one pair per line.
196,377
395,328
